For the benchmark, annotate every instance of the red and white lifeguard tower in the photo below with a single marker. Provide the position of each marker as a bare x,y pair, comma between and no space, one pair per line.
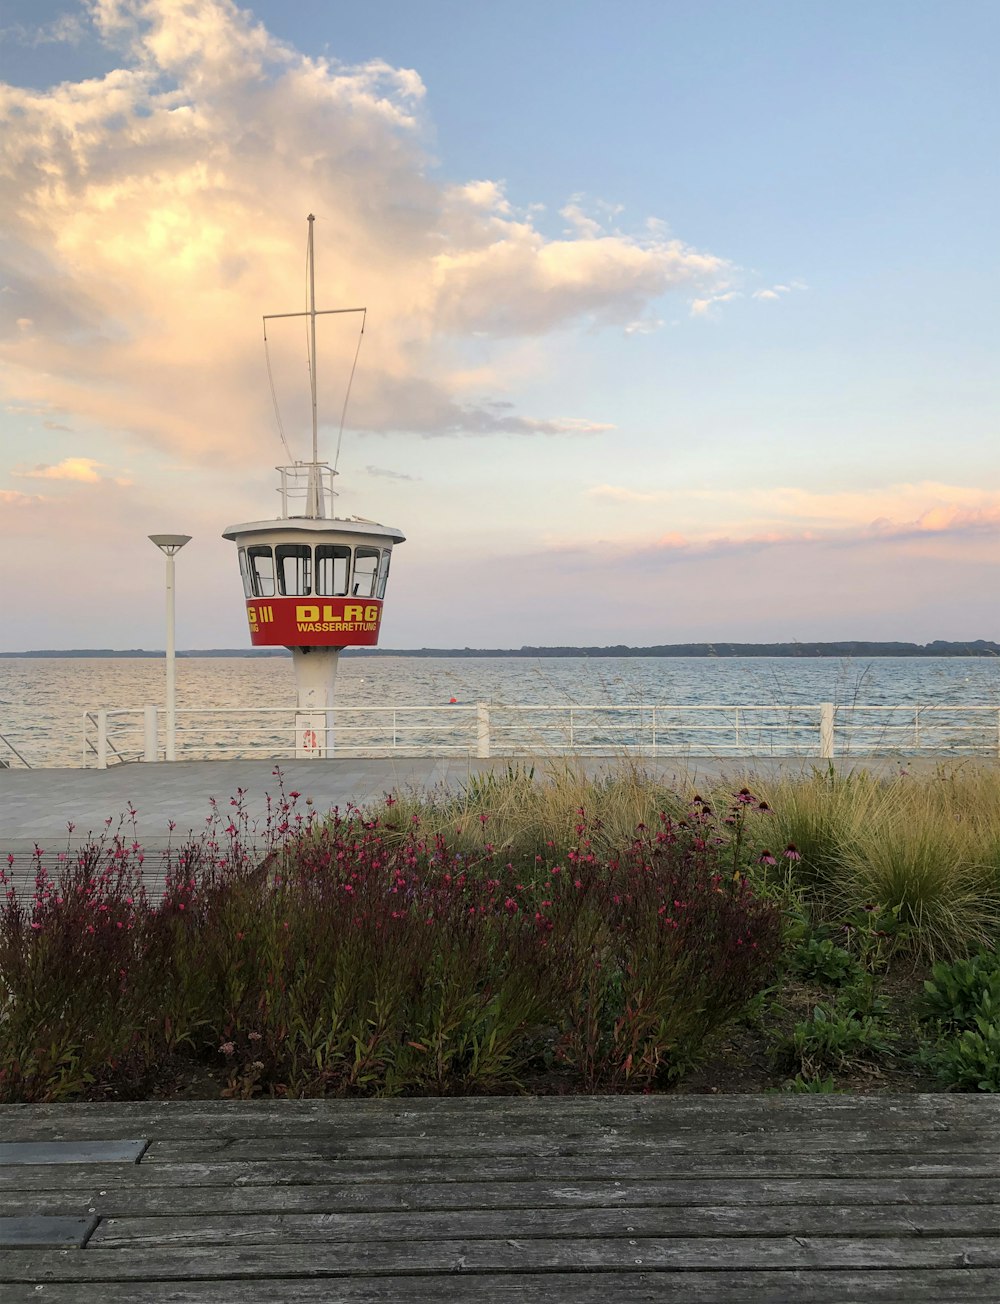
313,582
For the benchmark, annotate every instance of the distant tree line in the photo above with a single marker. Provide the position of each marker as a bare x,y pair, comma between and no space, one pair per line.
851,648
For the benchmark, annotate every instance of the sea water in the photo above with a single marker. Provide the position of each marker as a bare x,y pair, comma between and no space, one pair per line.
43,700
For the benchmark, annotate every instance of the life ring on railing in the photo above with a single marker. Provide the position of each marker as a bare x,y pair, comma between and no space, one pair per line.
309,742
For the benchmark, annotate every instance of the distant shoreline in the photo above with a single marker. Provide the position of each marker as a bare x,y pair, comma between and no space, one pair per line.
939,648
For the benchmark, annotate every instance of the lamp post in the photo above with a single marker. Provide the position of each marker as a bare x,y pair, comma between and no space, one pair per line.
169,544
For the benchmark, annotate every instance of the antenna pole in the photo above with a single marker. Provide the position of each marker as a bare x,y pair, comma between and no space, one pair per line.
316,506
312,339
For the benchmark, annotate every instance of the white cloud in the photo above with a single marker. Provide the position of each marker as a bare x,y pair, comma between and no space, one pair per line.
84,470
383,473
644,326
777,291
703,307
579,223
67,29
488,195
154,214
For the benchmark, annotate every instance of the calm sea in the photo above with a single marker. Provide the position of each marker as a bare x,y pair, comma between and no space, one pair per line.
42,702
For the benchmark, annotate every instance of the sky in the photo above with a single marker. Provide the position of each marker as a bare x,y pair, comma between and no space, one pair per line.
681,314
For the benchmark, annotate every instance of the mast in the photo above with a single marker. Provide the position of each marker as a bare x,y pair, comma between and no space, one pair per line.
314,494
312,339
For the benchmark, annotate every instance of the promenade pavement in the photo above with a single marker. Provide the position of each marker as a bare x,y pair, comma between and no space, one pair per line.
37,805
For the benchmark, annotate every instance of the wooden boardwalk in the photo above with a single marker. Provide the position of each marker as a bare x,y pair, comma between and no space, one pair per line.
689,1198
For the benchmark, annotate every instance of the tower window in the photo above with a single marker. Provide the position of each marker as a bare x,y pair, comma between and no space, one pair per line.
260,561
294,562
365,572
383,573
333,570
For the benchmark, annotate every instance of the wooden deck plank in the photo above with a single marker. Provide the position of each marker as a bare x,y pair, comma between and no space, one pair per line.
119,1201
622,1166
264,1149
674,1114
340,1259
902,1286
542,1222
460,1116
705,1105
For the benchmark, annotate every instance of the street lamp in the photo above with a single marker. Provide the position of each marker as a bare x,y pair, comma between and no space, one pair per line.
169,544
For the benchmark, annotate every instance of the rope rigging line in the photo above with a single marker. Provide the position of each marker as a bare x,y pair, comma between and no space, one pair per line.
347,396
274,397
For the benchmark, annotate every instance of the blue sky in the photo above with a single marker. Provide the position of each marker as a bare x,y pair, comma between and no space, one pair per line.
682,314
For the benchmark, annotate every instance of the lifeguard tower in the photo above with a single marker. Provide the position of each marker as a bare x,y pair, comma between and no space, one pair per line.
313,582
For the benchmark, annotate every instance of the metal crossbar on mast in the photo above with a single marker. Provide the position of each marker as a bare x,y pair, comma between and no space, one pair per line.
314,496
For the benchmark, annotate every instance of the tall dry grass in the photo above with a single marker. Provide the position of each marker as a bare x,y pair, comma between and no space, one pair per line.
524,809
922,848
925,848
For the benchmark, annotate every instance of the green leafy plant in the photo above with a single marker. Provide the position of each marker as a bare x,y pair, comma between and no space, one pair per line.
822,960
970,1060
819,1086
836,1036
954,994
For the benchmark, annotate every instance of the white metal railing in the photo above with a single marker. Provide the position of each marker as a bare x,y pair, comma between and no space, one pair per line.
484,729
9,753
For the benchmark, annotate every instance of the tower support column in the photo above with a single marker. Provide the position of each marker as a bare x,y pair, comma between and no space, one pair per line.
315,677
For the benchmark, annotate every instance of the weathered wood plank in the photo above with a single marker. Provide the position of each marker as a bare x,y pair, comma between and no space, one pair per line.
238,1263
614,1106
458,1114
475,1224
117,1201
612,1145
622,1167
930,1286
70,1152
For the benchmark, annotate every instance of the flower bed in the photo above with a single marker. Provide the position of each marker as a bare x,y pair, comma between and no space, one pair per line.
357,956
543,934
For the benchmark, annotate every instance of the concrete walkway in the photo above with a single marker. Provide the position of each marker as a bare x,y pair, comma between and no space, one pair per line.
39,804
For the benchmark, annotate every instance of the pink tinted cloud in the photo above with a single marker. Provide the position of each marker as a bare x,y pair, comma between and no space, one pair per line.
774,516
14,499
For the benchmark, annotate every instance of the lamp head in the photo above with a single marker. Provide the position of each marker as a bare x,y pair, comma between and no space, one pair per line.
170,543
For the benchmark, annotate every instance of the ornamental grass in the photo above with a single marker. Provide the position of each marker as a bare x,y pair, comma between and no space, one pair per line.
924,850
